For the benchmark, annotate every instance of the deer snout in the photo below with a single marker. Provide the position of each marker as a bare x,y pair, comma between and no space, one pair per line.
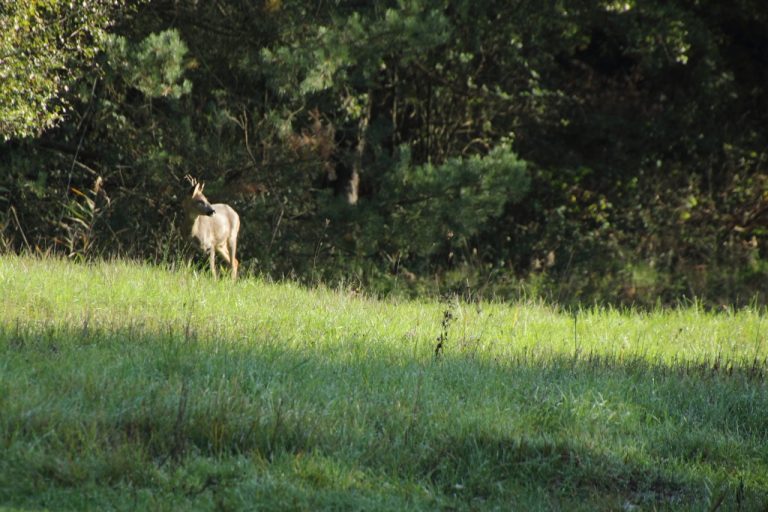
210,212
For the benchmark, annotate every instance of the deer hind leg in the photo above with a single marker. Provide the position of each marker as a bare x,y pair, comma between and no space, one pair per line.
233,249
227,251
232,242
222,248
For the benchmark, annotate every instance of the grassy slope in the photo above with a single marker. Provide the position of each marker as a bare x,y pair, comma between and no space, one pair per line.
125,386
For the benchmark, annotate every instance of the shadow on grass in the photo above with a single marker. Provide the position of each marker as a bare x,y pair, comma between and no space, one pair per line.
176,413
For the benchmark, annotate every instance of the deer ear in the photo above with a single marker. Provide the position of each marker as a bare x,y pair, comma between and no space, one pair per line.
202,186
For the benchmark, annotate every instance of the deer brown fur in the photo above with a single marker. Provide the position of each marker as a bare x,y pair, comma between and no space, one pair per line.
215,226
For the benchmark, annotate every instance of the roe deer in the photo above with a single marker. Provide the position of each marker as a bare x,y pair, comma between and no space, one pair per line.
214,225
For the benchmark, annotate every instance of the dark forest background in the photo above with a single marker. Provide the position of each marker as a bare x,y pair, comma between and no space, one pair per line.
580,151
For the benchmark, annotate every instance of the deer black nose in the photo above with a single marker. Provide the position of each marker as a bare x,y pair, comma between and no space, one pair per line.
211,212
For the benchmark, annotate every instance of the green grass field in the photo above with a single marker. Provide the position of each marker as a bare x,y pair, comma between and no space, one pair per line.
131,387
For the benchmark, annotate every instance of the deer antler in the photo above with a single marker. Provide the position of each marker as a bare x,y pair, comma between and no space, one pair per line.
192,181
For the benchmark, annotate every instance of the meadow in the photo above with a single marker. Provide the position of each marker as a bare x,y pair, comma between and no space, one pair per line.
125,386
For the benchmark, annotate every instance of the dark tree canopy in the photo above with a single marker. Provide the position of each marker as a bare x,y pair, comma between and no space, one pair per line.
604,150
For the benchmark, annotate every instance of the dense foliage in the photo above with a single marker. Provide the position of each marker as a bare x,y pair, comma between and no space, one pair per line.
43,44
579,150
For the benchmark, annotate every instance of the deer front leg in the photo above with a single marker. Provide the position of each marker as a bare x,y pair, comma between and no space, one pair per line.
212,252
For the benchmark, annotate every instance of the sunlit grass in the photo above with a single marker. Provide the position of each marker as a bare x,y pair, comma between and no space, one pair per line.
130,386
